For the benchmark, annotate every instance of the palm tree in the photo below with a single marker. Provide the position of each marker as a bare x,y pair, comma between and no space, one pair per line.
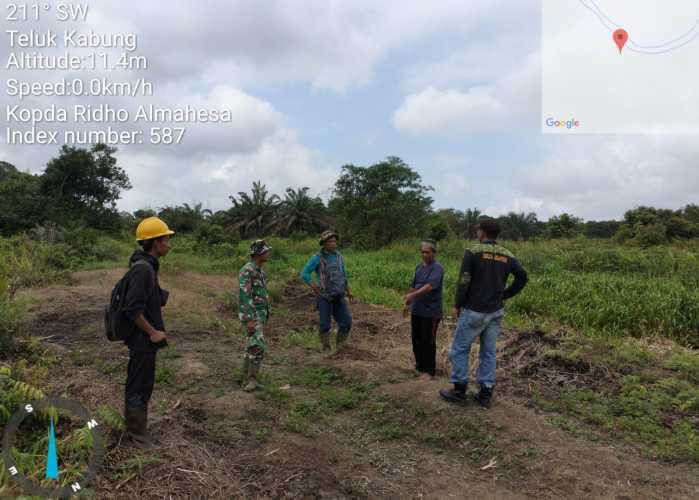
300,213
184,218
196,213
253,213
518,226
470,219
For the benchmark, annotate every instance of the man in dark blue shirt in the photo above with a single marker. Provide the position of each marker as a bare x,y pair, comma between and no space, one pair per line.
425,300
479,307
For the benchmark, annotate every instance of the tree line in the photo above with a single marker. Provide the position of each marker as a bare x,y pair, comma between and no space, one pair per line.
371,206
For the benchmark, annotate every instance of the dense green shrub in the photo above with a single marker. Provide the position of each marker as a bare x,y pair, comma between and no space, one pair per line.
8,319
214,234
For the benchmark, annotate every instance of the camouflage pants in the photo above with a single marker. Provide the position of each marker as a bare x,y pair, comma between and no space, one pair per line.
256,346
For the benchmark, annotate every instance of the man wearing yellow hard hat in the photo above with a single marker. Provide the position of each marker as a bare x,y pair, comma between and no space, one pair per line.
143,304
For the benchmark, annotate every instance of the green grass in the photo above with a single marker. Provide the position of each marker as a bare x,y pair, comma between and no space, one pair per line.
110,367
686,363
327,393
637,414
621,297
653,406
318,377
596,286
307,339
624,299
164,375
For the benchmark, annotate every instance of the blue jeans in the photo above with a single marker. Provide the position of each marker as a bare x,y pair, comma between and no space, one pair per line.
472,324
337,309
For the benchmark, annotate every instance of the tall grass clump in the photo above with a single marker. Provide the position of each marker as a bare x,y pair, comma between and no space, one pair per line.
598,286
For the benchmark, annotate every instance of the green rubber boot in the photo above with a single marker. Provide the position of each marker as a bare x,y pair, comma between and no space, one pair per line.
245,369
325,341
253,370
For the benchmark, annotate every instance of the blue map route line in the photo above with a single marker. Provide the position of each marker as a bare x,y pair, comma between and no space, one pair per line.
675,44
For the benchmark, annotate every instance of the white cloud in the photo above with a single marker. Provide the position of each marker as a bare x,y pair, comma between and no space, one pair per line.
450,111
599,177
210,55
214,160
279,161
250,55
509,102
331,44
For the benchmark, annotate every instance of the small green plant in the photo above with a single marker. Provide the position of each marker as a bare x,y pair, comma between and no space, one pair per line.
317,376
140,461
686,363
111,418
169,353
164,375
391,431
110,367
262,433
306,338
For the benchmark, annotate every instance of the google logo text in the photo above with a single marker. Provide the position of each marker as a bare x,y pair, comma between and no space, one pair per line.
553,123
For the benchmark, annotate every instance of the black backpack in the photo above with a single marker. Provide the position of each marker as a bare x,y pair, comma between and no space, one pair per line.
118,327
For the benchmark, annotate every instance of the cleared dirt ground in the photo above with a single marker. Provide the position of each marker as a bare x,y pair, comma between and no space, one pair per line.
355,425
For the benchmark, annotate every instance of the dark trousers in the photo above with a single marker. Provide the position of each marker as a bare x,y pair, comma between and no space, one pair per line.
140,378
424,333
337,309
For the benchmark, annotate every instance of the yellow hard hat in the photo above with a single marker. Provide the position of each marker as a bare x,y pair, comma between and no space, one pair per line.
152,227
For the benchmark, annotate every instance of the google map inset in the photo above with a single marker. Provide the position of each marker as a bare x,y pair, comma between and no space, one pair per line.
620,66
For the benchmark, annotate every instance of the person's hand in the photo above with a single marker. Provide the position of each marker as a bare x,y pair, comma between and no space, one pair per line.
157,336
350,297
251,326
316,290
408,299
455,312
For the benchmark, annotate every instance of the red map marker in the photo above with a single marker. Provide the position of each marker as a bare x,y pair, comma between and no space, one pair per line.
620,38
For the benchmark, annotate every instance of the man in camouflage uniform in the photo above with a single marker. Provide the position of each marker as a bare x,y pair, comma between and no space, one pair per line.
254,310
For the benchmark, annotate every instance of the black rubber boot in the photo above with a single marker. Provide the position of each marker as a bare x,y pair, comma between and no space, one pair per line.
136,419
455,395
484,397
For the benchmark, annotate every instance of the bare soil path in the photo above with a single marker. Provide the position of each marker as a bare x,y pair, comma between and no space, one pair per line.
375,431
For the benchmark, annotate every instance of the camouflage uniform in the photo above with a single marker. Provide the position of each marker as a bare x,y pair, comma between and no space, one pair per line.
254,306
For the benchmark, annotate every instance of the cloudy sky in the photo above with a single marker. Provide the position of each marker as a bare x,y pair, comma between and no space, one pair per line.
452,87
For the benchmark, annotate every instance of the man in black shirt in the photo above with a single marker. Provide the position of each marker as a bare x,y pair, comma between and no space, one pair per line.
142,304
479,307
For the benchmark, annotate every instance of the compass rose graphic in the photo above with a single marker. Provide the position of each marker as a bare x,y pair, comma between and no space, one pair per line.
47,405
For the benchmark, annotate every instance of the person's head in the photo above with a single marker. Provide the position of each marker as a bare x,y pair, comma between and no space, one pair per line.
259,252
328,240
153,235
488,229
157,247
428,250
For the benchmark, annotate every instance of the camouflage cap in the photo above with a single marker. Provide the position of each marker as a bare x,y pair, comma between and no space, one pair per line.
326,235
258,247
